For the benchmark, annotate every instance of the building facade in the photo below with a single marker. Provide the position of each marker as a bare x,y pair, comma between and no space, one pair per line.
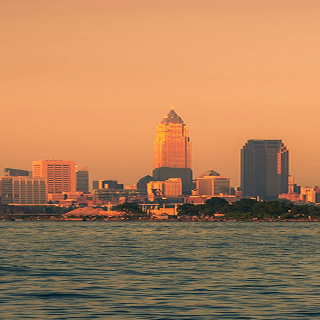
172,146
60,174
172,151
82,176
16,172
116,196
110,184
264,169
213,186
23,190
170,188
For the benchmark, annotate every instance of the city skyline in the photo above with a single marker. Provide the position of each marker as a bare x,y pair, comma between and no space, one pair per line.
264,164
159,159
89,82
114,174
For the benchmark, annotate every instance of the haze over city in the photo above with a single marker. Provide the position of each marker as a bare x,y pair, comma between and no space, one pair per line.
90,81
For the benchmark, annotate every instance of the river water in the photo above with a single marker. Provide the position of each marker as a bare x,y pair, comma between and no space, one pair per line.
159,270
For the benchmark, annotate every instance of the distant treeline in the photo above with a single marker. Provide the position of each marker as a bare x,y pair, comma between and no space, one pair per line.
244,209
248,209
6,209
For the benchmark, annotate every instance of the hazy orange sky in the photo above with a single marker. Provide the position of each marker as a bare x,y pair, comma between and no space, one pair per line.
89,80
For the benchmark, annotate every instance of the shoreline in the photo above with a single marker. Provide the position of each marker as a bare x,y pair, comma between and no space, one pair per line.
92,219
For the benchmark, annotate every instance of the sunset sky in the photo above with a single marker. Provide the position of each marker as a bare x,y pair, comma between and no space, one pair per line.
89,80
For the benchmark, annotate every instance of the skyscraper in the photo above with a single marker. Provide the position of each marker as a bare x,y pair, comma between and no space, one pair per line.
172,151
82,176
264,168
61,175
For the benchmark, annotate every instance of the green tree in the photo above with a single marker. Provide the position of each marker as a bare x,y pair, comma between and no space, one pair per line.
131,210
244,205
214,205
188,209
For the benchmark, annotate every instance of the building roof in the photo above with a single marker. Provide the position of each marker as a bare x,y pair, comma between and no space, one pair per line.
86,211
210,173
172,117
142,183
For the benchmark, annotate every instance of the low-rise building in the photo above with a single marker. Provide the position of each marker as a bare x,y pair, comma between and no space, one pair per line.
170,188
116,196
10,172
308,194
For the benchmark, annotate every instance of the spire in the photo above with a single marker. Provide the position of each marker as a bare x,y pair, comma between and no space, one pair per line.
172,117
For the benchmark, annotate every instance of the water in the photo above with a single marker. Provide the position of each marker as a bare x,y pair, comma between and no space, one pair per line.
159,270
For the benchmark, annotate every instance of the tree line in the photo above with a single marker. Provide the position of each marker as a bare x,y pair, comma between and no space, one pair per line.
248,209
6,209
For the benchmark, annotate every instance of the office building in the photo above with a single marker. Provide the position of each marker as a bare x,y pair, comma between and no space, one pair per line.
172,151
213,185
9,172
264,169
60,174
116,196
109,184
170,188
95,184
82,177
23,190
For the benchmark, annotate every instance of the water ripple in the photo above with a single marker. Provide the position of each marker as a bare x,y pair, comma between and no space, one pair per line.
147,270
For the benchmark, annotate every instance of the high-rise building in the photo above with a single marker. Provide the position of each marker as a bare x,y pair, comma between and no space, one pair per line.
23,190
172,151
82,176
60,174
264,169
16,172
213,185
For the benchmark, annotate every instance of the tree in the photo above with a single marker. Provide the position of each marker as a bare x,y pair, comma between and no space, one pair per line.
130,210
244,205
188,209
214,205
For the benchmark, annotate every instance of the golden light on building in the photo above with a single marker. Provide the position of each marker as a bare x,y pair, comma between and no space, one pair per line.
60,175
172,147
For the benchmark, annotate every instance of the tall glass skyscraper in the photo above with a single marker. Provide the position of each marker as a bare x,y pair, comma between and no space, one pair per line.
264,169
172,151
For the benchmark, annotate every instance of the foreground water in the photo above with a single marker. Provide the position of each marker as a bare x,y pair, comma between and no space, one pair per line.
148,270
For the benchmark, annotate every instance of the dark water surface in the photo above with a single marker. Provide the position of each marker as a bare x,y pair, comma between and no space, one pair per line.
148,270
